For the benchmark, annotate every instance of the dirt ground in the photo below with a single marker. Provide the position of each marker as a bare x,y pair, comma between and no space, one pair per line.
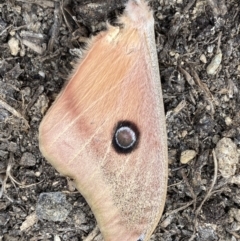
198,45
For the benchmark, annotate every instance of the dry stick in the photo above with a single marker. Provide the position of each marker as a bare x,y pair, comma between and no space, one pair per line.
194,197
92,235
188,6
209,193
65,9
213,182
175,184
3,188
3,181
233,233
13,111
202,85
204,88
13,180
34,98
170,213
43,3
177,109
180,208
55,27
35,47
187,76
219,42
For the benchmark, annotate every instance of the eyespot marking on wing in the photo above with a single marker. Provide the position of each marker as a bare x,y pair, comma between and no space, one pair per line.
126,137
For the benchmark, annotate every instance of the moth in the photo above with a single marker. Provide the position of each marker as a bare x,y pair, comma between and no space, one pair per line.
106,129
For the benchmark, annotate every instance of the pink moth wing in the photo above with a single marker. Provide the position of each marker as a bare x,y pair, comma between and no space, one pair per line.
117,80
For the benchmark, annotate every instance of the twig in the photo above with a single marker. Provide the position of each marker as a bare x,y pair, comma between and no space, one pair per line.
187,76
209,193
175,184
14,181
202,85
92,235
7,175
219,42
179,209
188,6
204,88
43,3
35,96
13,111
212,185
233,233
55,27
189,187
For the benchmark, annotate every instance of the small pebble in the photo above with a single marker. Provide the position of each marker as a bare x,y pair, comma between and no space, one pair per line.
42,74
210,48
13,44
167,221
56,238
187,156
53,206
28,160
215,63
203,58
228,121
227,156
235,213
29,222
12,146
184,133
37,174
207,232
